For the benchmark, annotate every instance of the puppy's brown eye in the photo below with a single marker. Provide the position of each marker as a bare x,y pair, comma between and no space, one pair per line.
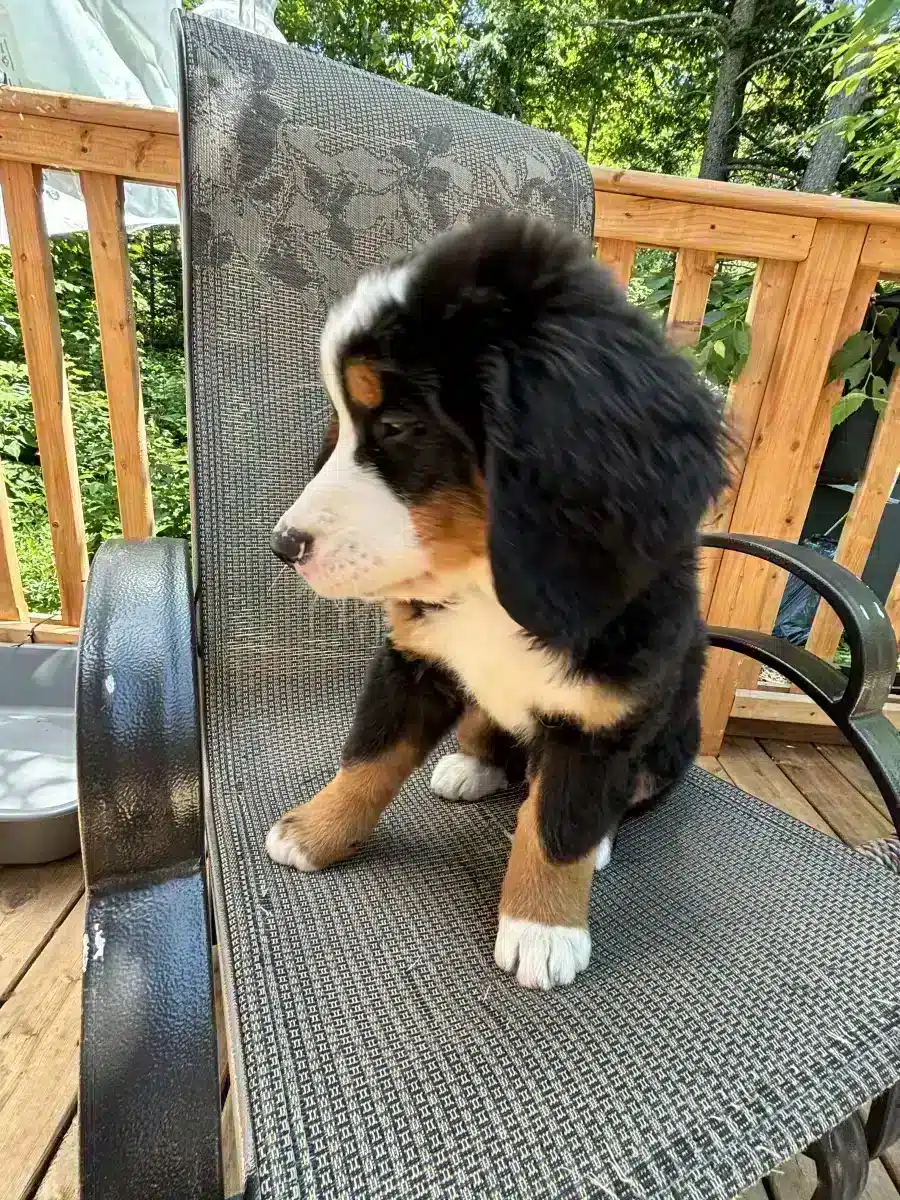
392,428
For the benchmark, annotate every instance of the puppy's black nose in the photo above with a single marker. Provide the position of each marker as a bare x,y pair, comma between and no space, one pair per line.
291,545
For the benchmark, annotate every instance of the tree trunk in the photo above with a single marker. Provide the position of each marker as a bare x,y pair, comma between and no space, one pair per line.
589,133
831,145
728,100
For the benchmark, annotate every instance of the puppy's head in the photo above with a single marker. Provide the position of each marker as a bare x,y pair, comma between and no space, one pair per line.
503,416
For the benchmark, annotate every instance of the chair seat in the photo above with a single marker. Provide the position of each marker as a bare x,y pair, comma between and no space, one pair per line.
742,996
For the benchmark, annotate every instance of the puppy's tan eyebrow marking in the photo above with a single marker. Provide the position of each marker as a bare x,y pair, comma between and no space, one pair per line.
363,384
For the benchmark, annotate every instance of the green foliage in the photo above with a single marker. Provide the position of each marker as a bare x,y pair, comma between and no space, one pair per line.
724,344
164,402
866,360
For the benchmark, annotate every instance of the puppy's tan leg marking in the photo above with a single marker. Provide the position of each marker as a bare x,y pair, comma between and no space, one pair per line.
542,934
474,732
334,824
469,775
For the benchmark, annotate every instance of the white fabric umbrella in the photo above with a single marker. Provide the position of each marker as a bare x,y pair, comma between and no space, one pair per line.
115,50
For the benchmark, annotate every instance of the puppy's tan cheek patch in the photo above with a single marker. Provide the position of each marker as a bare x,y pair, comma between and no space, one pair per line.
536,889
452,527
363,384
337,820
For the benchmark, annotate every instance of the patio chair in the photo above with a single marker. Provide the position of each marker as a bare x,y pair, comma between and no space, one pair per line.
743,1001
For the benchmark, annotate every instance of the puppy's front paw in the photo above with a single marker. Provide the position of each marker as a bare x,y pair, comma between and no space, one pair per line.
310,837
542,956
464,777
285,844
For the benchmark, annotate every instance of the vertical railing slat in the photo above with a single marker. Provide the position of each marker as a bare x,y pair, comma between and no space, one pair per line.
618,255
103,197
772,285
33,275
693,276
864,516
12,597
794,415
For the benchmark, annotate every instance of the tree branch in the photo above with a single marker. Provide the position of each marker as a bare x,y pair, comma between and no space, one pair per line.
770,58
665,19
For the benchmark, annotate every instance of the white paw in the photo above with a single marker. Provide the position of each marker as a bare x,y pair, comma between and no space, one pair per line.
464,777
282,848
603,854
545,955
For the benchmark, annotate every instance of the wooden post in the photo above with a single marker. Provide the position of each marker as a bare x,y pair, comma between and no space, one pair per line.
33,275
687,308
103,197
864,516
892,607
12,597
775,494
618,255
772,285
861,289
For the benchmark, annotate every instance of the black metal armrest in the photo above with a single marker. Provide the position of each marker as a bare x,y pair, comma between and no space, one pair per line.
149,1103
854,703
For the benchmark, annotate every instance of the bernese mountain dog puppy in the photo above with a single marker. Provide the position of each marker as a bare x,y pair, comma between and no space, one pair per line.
516,467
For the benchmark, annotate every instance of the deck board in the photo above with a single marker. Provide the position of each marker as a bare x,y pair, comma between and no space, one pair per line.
754,771
796,1180
61,1180
891,1160
845,760
848,812
41,921
39,1032
33,902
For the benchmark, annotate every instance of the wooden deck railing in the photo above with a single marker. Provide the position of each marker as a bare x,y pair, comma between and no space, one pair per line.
818,260
106,144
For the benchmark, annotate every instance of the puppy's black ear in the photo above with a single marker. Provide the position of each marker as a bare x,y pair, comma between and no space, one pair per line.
603,449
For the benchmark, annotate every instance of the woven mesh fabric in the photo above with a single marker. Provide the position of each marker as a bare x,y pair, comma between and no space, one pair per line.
739,1000
886,851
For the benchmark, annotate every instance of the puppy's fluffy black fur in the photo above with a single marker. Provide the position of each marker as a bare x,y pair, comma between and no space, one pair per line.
600,449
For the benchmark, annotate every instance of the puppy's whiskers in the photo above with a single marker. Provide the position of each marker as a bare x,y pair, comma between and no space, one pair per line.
278,578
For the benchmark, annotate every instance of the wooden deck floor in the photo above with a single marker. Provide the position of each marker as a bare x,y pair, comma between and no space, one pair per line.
41,920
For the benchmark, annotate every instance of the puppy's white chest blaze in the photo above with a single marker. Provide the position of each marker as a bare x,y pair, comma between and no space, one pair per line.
513,679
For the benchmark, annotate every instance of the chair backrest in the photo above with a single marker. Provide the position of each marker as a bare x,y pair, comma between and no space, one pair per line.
300,173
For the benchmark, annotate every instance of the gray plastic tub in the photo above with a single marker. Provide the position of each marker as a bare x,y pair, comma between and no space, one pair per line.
38,793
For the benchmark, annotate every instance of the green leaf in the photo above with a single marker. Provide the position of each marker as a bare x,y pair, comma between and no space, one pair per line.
856,347
894,353
842,10
876,14
711,318
880,404
884,320
846,406
879,387
741,340
854,376
719,348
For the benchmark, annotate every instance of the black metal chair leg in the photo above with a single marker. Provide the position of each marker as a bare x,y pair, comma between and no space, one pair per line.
883,1125
842,1161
